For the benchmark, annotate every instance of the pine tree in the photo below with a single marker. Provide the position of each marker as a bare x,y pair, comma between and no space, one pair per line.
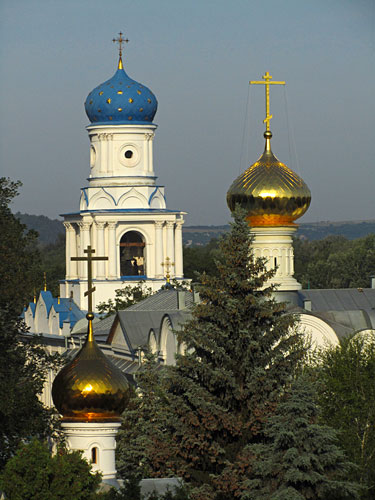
300,459
242,351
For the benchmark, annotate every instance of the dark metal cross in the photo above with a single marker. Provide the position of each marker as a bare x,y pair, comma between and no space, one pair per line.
120,41
90,289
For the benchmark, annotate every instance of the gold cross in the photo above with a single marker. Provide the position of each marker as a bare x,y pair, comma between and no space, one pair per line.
267,82
167,264
90,289
45,282
120,41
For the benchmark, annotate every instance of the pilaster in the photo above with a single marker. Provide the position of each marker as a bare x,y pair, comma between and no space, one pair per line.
170,246
179,250
159,249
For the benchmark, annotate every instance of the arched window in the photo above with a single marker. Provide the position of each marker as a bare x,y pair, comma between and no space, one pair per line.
94,455
132,254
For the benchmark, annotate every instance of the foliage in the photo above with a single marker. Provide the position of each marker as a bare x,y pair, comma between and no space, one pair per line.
19,257
23,361
23,367
132,491
200,259
335,262
52,262
347,400
33,474
125,297
199,416
303,460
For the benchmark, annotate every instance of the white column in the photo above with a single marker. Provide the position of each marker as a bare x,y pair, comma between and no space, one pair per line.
85,242
86,435
146,152
179,267
103,153
67,226
73,252
159,249
100,269
112,250
109,154
170,246
150,153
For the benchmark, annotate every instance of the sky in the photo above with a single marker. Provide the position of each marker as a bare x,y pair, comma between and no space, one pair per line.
197,57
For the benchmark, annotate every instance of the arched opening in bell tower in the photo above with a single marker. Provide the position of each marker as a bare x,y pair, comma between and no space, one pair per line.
132,254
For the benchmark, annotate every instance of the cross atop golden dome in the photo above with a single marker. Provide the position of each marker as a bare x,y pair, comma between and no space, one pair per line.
272,193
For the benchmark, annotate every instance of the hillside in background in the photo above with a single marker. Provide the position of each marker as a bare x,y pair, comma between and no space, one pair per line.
49,229
201,235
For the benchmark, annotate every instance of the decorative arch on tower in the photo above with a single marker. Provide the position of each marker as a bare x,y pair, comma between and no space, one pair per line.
152,342
168,343
132,199
101,201
133,254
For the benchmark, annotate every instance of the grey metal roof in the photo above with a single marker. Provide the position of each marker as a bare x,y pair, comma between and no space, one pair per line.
136,325
101,328
342,299
347,310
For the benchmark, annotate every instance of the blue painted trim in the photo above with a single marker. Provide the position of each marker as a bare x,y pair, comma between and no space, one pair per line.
126,210
127,177
152,194
85,195
134,278
109,194
115,122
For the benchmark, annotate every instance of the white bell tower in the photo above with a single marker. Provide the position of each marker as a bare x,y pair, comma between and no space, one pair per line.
122,213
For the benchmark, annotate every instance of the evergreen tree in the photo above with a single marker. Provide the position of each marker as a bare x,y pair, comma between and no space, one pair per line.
240,355
300,458
242,352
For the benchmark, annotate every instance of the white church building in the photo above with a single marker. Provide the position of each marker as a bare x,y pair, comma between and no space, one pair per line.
123,216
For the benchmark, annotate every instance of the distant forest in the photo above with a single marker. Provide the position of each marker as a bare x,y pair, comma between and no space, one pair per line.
327,255
49,230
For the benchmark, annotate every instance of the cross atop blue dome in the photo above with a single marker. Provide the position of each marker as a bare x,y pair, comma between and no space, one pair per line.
120,100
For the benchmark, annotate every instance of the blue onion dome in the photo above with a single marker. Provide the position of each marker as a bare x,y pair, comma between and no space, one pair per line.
121,100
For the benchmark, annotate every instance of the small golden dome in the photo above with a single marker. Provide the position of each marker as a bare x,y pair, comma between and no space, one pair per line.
271,192
90,388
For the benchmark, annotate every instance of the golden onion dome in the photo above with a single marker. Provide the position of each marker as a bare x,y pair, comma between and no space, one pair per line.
272,193
90,388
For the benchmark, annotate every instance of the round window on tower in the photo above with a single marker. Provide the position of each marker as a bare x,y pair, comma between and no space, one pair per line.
129,155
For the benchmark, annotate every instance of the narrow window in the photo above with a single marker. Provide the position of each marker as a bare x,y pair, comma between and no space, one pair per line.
94,455
275,262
